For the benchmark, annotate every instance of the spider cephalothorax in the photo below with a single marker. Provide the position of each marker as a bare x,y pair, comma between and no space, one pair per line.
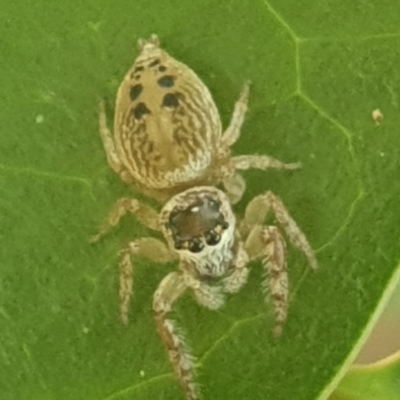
168,142
199,225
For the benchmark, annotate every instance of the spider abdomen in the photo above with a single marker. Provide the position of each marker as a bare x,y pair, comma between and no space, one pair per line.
167,128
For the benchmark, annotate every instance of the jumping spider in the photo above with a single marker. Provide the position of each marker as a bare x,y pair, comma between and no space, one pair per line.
168,142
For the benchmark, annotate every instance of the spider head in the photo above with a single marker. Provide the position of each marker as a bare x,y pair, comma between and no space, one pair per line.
198,219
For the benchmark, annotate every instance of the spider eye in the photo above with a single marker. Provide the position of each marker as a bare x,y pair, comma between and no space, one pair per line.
213,205
178,245
196,245
224,225
212,238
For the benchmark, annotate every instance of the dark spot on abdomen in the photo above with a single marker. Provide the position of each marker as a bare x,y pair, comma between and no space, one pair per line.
170,100
134,74
140,110
135,91
154,63
162,68
166,81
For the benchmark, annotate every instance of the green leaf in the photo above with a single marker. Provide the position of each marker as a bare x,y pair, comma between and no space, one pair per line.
370,382
318,70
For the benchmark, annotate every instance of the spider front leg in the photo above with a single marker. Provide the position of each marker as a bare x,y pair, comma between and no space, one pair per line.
145,214
169,290
267,242
260,206
150,248
238,277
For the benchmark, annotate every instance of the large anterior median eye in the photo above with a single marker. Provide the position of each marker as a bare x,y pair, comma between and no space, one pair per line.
198,224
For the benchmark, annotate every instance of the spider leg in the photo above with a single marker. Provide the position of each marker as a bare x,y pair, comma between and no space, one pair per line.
233,182
232,133
234,185
267,242
256,212
169,290
113,158
150,248
262,162
108,142
234,282
145,214
207,296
